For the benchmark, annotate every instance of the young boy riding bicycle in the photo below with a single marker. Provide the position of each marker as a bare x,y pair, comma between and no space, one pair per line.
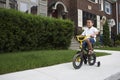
92,32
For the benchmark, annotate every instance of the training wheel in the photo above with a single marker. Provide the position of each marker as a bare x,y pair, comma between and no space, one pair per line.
98,64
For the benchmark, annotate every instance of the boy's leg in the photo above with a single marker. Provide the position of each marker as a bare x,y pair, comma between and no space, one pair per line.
89,44
90,41
84,45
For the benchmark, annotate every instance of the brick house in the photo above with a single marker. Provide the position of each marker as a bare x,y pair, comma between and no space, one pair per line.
79,10
75,10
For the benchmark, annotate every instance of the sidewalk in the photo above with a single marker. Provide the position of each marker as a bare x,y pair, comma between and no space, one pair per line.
110,65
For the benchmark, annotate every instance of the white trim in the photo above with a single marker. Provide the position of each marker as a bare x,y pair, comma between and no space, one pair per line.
101,4
55,7
80,18
98,22
7,4
96,1
42,7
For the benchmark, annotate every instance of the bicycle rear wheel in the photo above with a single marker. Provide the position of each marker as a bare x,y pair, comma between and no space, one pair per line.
92,59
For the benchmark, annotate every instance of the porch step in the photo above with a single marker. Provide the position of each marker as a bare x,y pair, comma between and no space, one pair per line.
74,44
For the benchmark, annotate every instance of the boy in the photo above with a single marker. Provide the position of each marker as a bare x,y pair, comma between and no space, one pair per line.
91,32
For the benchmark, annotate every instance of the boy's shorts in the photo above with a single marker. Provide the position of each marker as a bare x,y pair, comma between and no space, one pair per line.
85,43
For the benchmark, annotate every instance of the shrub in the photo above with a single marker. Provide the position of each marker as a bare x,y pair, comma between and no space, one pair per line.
106,35
117,42
21,32
118,37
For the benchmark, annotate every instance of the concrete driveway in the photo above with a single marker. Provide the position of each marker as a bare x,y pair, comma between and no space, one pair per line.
109,70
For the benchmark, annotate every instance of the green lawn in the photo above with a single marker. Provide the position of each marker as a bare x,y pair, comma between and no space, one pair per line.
110,48
18,61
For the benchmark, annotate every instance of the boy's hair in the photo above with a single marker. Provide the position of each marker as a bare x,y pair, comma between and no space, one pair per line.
90,20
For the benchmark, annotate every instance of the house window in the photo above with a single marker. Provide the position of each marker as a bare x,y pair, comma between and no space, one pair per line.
108,8
34,9
34,6
2,3
13,4
24,7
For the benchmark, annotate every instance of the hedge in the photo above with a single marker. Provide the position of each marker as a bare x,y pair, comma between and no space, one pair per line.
22,32
106,35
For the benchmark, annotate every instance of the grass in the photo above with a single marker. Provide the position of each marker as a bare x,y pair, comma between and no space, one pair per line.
98,54
109,48
19,61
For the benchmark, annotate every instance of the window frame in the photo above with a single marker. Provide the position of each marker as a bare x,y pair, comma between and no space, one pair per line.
101,5
107,5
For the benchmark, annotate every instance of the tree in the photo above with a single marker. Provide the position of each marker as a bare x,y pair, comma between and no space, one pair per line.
106,35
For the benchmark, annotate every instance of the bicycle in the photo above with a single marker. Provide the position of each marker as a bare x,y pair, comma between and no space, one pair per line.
83,56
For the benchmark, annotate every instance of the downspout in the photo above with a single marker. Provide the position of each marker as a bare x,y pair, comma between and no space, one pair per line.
117,16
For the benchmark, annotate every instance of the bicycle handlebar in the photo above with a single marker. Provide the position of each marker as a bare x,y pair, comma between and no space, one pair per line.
82,38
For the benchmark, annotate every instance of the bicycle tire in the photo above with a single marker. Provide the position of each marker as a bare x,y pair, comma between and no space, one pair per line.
92,59
77,56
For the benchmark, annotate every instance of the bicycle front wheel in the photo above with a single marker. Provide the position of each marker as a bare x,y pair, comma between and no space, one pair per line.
77,61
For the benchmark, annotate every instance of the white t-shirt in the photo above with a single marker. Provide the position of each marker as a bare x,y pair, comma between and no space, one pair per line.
90,31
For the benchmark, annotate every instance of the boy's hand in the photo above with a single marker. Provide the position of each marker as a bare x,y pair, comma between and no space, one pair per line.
92,36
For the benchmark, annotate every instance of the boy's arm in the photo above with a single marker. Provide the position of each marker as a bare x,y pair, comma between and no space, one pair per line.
95,33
